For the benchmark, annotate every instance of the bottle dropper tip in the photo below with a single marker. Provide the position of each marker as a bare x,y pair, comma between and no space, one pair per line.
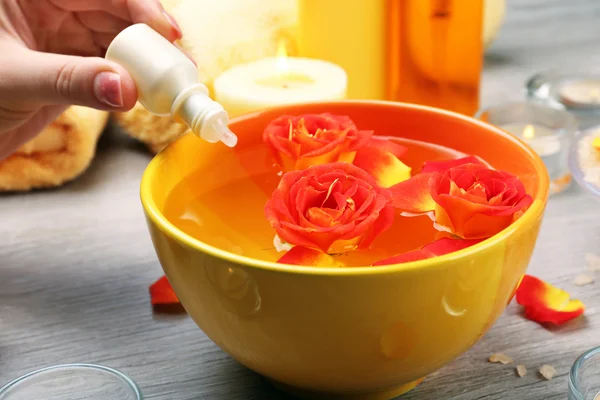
218,129
229,138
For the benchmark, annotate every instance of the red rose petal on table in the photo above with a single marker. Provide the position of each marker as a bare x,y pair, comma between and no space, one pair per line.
162,293
545,303
308,257
430,250
445,165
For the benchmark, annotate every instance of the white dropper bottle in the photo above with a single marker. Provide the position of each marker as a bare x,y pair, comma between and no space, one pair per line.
167,82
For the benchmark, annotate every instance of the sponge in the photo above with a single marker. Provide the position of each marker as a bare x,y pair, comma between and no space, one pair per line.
60,153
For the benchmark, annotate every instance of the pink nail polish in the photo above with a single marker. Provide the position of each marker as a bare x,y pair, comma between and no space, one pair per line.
107,89
173,24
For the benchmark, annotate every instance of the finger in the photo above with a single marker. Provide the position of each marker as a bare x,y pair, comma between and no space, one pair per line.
103,40
99,21
119,8
44,79
153,13
11,141
150,12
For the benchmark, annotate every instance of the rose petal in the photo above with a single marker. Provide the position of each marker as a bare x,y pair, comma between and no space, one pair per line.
546,303
384,221
387,145
384,166
162,293
433,249
308,257
521,370
445,165
414,194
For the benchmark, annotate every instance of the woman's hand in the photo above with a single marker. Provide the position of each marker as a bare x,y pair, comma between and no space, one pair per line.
51,57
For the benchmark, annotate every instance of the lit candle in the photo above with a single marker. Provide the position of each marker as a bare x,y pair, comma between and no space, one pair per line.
278,80
596,144
541,139
546,129
580,93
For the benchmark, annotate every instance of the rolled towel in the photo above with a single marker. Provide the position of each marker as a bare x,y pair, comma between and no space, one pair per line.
218,35
60,153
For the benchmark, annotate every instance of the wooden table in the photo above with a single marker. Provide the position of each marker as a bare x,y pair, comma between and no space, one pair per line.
76,262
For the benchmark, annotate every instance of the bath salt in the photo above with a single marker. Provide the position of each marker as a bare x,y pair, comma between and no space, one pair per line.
547,371
589,158
583,279
500,358
593,262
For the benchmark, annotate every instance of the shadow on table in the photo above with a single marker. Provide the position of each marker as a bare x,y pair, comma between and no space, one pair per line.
495,59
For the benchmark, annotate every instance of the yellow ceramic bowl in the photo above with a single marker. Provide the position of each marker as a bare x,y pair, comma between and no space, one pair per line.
368,333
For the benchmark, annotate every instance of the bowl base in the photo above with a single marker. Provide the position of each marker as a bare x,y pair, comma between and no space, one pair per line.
386,394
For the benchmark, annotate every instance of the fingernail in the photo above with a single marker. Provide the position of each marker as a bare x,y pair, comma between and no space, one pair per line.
107,88
173,24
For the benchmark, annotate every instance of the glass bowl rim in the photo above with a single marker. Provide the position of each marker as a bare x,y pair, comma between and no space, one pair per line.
569,123
574,373
135,389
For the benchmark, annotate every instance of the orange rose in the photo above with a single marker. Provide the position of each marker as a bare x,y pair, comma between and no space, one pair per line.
333,207
297,142
464,197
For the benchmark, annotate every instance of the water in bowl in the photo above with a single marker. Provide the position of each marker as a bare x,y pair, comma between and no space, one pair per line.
227,211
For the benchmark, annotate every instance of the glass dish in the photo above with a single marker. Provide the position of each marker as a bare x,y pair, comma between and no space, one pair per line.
547,130
584,379
582,154
552,88
72,382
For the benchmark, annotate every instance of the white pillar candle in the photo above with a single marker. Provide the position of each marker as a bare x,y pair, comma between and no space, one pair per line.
276,81
541,139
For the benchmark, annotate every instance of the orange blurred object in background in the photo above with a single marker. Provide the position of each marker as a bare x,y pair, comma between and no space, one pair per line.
428,52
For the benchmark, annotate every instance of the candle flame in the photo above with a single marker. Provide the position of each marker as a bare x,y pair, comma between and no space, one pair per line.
596,144
281,60
529,132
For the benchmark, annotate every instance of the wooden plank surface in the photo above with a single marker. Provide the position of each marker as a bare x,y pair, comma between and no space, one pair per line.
75,263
